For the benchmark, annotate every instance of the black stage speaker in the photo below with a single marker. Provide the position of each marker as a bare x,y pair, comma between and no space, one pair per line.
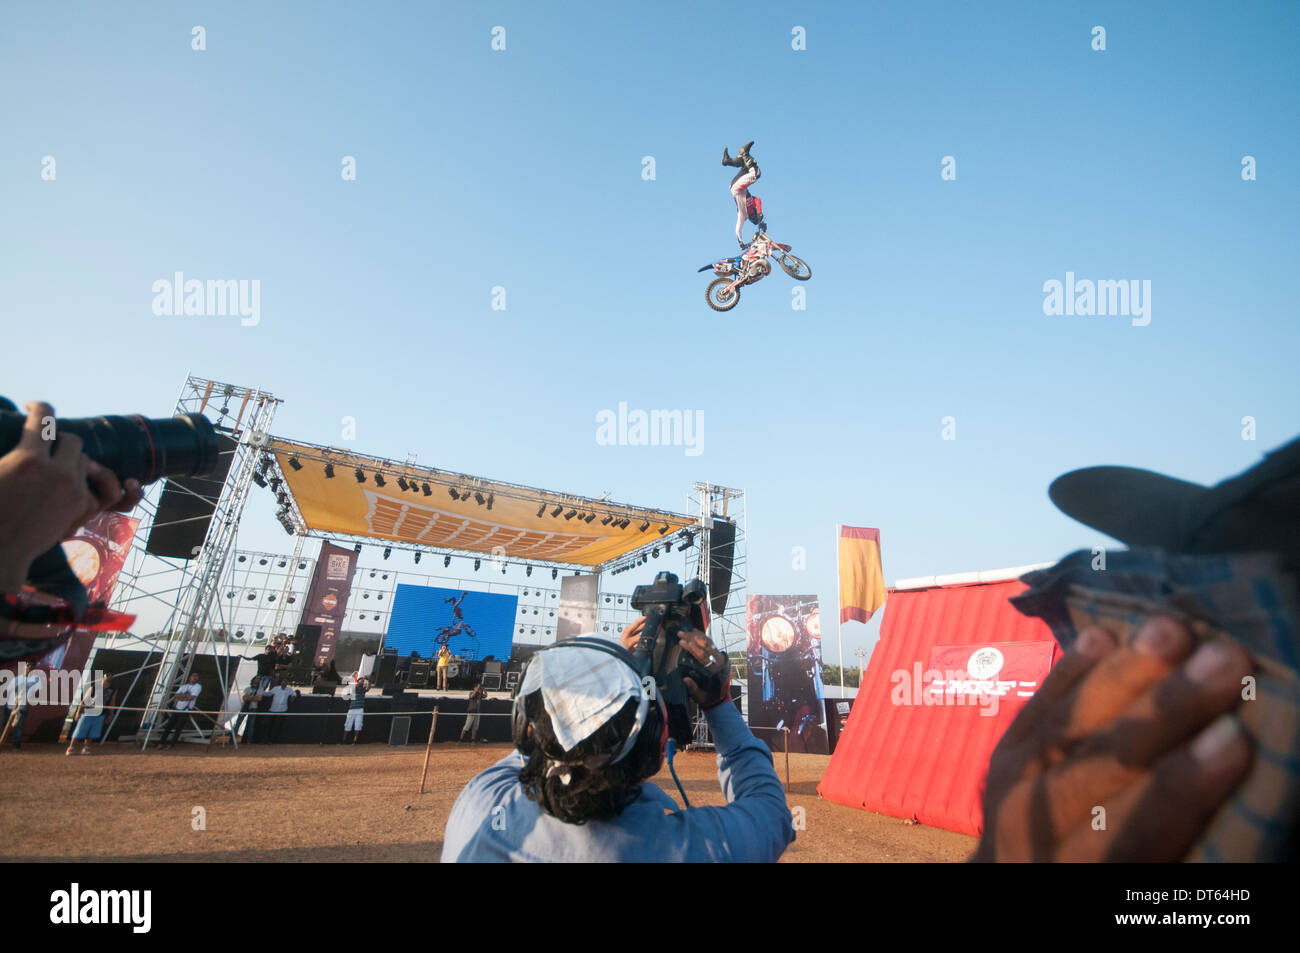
385,669
722,556
419,675
186,506
400,731
304,652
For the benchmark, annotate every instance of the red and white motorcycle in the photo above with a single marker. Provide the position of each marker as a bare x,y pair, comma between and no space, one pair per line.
748,267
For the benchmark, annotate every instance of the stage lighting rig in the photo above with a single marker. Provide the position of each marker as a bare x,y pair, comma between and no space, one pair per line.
541,511
558,510
663,529
293,462
401,484
644,526
571,514
446,561
387,552
554,573
424,488
417,559
491,499
478,498
607,520
379,479
329,471
453,494
589,517
361,475
477,563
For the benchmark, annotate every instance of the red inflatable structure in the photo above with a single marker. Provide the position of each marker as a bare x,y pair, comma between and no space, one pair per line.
954,666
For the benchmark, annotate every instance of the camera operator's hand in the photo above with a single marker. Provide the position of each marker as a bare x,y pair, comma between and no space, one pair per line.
632,634
709,656
45,496
1143,731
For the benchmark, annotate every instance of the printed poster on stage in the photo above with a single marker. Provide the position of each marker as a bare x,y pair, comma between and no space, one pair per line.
785,673
327,600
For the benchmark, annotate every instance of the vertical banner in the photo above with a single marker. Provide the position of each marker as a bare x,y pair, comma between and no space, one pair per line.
785,673
327,599
577,607
862,581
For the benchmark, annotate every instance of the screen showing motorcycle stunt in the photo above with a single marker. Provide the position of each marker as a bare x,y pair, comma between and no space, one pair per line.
473,625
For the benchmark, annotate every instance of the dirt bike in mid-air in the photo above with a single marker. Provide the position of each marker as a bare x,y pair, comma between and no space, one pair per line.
748,267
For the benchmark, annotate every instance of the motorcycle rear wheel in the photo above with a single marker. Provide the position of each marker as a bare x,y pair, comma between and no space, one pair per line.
719,297
796,268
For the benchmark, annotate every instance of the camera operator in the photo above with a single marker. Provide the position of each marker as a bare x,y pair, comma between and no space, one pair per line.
589,800
46,495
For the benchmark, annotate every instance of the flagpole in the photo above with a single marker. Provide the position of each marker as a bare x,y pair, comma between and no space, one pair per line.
839,623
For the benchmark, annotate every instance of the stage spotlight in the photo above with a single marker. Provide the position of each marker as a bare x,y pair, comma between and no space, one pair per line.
541,510
655,554
446,561
361,476
329,471
607,520
503,570
417,559
623,523
379,479
424,487
491,499
589,517
684,546
259,478
663,529
357,549
554,573
477,563
478,498
293,462
571,514
528,571
645,526
387,552
276,483
401,484
453,494
558,510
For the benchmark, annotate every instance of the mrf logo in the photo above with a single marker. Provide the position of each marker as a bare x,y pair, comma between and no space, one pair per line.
102,907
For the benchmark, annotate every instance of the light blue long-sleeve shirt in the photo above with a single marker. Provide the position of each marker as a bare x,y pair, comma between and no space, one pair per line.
493,820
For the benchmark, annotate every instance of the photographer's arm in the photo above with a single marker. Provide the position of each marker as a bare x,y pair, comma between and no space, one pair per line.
755,825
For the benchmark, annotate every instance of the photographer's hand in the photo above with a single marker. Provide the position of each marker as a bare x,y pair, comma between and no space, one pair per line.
708,655
45,496
1141,730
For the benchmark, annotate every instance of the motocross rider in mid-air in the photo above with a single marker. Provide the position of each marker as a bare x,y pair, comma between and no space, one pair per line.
746,177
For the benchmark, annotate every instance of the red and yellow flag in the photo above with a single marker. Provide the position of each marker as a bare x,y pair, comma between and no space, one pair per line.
862,581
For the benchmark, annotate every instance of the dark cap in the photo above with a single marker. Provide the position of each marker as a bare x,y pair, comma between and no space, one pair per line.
1255,510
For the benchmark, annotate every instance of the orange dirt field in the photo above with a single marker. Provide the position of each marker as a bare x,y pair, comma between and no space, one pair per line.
313,803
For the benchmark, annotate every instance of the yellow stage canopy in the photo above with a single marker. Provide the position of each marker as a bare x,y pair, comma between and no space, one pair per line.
513,522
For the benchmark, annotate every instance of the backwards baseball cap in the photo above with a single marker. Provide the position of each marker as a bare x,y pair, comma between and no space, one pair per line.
1255,510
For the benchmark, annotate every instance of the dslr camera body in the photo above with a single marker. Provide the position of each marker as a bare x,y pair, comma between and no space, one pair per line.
670,608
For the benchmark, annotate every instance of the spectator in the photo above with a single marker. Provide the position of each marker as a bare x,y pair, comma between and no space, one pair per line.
356,711
267,663
90,724
444,660
471,719
587,798
248,713
15,713
183,701
280,697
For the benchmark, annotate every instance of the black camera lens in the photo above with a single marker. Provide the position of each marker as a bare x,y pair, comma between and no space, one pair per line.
141,448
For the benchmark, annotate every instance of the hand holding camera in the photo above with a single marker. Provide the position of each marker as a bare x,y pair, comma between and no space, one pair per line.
47,490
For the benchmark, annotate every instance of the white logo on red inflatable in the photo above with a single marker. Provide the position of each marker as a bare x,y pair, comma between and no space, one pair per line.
985,663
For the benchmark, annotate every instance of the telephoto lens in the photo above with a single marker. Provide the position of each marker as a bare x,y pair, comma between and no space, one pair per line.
143,448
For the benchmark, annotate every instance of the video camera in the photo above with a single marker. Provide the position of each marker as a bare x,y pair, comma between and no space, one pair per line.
670,608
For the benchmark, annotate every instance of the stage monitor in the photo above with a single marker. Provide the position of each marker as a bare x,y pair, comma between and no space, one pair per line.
472,624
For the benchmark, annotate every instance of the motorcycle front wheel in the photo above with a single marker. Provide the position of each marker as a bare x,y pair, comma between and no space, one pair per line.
719,296
796,268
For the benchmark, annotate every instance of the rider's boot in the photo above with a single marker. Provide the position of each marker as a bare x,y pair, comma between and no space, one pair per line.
726,159
744,150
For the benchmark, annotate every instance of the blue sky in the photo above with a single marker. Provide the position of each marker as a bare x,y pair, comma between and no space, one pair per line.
522,169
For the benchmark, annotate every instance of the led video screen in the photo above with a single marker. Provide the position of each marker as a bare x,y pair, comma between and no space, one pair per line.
474,625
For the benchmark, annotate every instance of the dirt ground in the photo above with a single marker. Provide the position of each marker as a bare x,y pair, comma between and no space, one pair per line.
310,803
